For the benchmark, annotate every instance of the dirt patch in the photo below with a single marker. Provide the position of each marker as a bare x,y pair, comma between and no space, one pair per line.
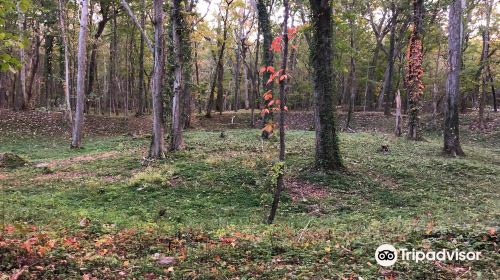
65,162
11,161
300,190
64,175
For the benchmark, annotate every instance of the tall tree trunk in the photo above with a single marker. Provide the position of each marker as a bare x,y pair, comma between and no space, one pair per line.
187,69
435,88
327,144
451,128
66,62
141,106
352,75
255,75
210,103
34,69
76,139
49,44
22,71
113,48
484,63
415,72
219,105
492,84
280,185
237,76
267,55
93,49
482,101
397,129
245,76
387,89
157,148
177,28
370,76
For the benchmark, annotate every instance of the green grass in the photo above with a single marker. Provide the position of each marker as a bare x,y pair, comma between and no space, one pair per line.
412,197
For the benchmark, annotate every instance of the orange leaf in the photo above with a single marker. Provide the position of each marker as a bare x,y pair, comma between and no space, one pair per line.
262,69
270,69
276,44
285,108
268,95
282,77
270,103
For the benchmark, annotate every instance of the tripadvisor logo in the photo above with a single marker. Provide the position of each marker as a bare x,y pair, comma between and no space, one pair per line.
387,255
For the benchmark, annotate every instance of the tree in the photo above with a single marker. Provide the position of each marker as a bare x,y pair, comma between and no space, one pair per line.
387,88
76,139
22,70
141,106
483,63
66,62
414,85
280,184
380,30
219,72
177,28
352,71
105,17
327,144
267,54
157,148
451,127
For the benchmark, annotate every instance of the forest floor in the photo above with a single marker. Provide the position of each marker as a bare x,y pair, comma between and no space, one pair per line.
103,212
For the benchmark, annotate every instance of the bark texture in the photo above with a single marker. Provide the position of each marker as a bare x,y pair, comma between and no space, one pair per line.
451,127
327,144
76,136
157,148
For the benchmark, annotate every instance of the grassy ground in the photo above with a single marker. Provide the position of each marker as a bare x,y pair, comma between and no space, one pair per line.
100,212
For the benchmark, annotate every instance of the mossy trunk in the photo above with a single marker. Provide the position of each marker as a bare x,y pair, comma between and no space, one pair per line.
327,144
415,72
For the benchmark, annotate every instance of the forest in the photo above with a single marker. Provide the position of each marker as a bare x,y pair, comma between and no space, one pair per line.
249,139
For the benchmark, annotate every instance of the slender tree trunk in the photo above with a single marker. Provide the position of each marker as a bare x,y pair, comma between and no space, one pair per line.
157,148
66,62
237,76
34,69
245,76
210,103
492,84
435,88
219,105
370,83
49,40
415,72
280,185
141,106
482,101
113,48
352,76
267,55
387,89
22,70
176,134
327,144
256,80
451,128
484,63
76,139
397,129
93,53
